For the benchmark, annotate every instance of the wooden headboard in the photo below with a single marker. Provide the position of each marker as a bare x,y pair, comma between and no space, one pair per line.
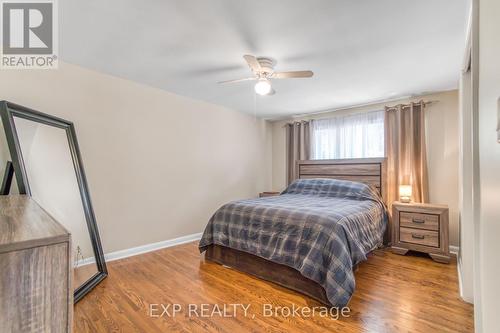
371,171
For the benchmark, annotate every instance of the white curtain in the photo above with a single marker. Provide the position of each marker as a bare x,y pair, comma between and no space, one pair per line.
354,136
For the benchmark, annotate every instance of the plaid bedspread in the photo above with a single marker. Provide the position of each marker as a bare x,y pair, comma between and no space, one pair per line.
320,227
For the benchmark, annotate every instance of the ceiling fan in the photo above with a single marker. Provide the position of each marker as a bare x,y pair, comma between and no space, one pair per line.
263,71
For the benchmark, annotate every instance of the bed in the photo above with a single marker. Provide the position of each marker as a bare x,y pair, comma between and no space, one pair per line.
310,237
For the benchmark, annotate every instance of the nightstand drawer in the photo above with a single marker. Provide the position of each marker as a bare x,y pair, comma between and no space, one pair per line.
268,194
419,220
421,237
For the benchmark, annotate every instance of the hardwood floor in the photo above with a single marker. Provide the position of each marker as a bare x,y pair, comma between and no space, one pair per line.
393,294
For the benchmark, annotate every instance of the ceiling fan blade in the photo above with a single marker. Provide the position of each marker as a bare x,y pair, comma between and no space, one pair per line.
237,80
253,63
291,75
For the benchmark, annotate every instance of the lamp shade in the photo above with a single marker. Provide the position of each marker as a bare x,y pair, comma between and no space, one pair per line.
404,193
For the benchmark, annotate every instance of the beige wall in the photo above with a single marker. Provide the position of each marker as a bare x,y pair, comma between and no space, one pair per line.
488,240
158,164
151,155
442,150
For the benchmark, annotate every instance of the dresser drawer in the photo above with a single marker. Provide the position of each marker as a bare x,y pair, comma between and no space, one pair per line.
419,221
421,237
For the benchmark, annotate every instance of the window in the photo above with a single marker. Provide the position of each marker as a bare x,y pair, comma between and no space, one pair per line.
354,136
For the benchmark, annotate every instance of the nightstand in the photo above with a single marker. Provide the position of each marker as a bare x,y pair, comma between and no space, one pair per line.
422,228
268,194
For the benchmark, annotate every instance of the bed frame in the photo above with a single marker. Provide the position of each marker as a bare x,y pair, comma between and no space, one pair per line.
371,171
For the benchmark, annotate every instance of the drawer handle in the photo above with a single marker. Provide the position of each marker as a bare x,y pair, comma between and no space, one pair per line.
418,221
417,236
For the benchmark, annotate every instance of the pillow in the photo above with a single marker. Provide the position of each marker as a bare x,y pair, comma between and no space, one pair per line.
324,187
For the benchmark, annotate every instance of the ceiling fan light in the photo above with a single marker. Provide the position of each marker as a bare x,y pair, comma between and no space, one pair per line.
263,87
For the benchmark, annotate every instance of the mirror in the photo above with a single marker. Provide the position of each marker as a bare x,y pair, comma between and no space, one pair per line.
48,167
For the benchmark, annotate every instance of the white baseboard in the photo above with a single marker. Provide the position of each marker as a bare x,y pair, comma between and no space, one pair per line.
133,251
460,284
454,250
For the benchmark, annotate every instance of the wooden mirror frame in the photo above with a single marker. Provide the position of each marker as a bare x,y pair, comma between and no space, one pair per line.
10,110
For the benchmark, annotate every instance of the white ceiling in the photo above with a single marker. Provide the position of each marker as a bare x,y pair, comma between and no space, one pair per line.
360,51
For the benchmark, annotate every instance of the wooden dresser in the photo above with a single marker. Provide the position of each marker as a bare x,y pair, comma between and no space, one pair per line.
421,227
35,269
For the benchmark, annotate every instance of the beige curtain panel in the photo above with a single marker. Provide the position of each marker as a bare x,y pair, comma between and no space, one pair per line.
405,150
298,146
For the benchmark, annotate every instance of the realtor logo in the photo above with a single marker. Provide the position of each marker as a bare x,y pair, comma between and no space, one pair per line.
29,36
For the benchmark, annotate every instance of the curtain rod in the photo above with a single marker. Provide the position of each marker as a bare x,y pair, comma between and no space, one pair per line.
391,108
406,106
301,121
